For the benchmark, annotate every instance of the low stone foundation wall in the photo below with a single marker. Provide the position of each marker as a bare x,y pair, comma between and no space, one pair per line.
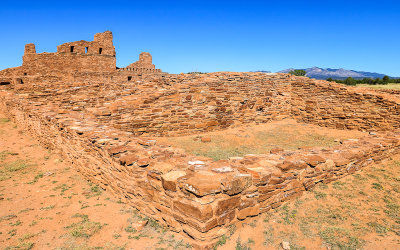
334,105
195,195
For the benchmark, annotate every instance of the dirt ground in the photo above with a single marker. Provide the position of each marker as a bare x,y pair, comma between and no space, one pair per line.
45,204
259,139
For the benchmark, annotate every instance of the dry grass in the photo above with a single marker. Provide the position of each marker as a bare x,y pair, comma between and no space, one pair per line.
257,139
361,211
381,86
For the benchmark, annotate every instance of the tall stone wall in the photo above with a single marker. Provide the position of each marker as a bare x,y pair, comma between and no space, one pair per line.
143,65
80,56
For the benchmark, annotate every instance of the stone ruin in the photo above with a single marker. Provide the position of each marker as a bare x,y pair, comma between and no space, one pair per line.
80,61
106,121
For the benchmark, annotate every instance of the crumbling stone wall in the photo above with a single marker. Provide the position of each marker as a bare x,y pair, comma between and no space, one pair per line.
336,106
144,65
81,56
197,195
80,61
198,103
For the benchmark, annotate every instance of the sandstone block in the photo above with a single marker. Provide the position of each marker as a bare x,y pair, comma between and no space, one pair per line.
249,211
193,210
169,179
236,184
227,204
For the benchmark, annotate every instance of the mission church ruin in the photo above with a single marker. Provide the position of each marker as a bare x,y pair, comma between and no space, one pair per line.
76,61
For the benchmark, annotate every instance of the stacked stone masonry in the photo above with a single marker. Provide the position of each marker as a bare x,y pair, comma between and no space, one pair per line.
108,130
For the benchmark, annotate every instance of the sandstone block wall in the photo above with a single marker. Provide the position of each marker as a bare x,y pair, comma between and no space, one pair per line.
80,61
198,103
336,106
82,56
197,195
143,65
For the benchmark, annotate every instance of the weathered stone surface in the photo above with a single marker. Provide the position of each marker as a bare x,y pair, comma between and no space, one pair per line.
193,210
169,180
314,160
128,159
236,184
227,204
249,211
202,184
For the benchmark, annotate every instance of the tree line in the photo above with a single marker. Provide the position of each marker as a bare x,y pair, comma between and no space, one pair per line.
373,81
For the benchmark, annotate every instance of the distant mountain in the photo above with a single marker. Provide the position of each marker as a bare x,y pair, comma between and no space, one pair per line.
322,74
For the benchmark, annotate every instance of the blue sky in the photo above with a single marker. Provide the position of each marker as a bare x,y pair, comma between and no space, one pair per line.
211,36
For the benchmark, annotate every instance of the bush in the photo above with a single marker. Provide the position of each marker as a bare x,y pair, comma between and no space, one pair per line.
298,72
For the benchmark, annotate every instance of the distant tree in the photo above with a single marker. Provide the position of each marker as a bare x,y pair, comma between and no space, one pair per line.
330,79
386,79
350,81
378,81
298,72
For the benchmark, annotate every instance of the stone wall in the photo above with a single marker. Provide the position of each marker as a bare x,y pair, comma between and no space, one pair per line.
196,195
143,65
200,103
80,61
81,56
336,106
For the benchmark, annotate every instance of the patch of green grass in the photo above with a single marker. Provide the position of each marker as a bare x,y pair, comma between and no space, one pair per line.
7,169
338,185
380,229
85,228
117,236
17,223
240,245
288,216
4,120
25,210
221,241
319,195
62,188
269,236
340,238
305,226
377,186
37,177
47,208
33,223
22,246
95,190
130,229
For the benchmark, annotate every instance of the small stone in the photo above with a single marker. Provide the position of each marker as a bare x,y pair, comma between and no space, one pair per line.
196,163
205,139
225,169
285,245
276,150
138,226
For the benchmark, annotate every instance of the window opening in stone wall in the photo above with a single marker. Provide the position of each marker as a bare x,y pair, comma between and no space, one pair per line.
100,50
72,49
86,50
129,78
25,74
4,83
